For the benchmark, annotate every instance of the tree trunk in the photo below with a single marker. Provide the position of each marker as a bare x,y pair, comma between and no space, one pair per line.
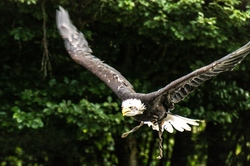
126,151
181,148
216,146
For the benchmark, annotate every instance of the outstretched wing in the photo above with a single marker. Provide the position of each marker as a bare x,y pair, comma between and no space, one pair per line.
180,88
78,48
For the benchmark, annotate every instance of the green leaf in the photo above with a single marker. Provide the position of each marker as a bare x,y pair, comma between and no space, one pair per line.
109,99
66,80
52,82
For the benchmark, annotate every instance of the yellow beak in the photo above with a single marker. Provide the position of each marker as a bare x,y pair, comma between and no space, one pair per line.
125,111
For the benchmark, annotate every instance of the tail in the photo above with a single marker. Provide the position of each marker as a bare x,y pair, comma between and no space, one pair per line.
178,122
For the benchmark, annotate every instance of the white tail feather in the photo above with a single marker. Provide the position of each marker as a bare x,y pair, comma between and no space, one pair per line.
178,122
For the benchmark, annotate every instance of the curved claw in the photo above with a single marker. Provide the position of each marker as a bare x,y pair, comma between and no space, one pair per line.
124,135
159,157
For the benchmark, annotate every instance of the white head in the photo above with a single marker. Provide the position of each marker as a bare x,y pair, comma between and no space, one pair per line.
132,107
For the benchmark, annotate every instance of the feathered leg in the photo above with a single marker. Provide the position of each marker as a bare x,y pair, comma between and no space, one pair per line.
160,141
124,135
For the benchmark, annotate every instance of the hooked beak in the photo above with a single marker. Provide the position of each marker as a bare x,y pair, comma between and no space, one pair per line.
125,111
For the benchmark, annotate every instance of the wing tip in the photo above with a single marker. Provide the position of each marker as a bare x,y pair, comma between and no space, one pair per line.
72,37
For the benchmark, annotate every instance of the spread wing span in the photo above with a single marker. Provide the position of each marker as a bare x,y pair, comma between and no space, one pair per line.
78,48
180,88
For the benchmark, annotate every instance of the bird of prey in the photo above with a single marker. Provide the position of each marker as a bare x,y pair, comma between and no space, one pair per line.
153,109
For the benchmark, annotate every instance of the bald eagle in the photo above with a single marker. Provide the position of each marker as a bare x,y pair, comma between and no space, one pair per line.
153,108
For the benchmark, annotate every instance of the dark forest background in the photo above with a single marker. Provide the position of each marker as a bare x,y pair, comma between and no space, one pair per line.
54,112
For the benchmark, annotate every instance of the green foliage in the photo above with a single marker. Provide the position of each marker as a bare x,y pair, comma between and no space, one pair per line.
29,2
76,116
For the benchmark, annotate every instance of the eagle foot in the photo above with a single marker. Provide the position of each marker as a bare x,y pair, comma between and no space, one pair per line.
160,142
159,157
124,135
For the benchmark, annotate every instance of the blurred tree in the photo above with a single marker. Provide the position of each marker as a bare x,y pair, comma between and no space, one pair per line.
54,112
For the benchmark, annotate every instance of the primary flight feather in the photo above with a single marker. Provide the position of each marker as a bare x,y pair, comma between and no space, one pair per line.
152,108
